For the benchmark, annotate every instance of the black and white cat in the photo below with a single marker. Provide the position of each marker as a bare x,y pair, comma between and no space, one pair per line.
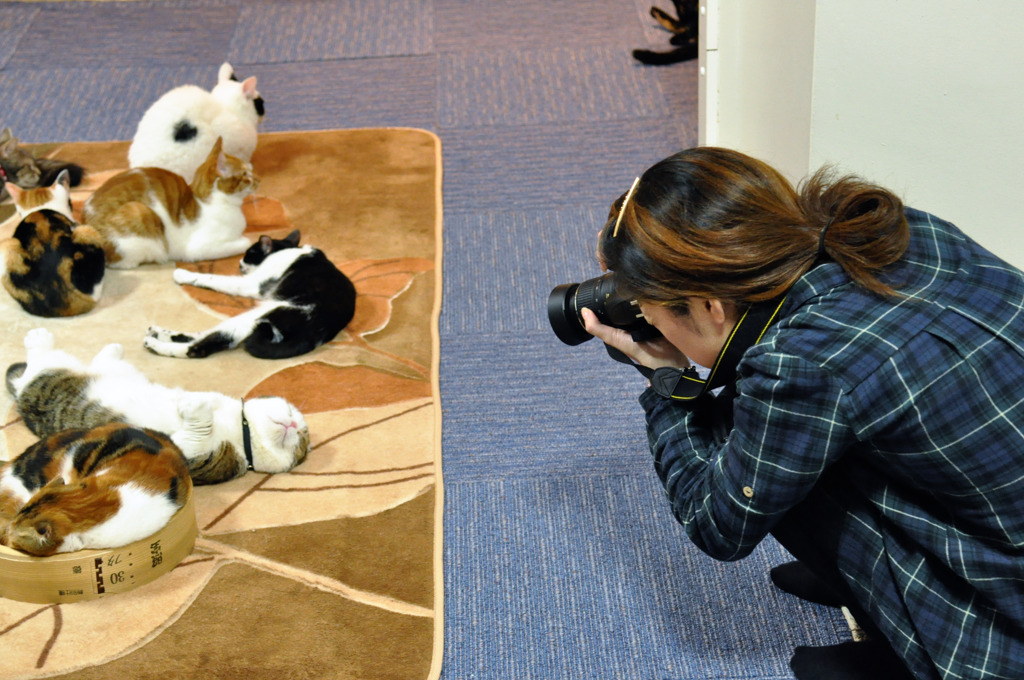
220,436
684,28
307,301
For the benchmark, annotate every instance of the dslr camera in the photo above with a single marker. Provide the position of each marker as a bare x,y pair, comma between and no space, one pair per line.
609,304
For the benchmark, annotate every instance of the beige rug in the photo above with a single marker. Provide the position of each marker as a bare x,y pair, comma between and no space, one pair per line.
334,569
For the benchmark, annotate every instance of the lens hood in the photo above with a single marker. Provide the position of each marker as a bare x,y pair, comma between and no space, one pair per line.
563,316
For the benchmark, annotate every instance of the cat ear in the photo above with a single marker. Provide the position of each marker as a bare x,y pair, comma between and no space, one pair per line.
14,190
249,88
8,146
64,179
225,73
5,135
266,244
293,238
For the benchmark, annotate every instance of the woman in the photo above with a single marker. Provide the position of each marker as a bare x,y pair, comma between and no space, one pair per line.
877,424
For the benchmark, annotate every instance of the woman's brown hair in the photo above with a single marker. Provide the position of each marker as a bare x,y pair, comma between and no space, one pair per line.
716,223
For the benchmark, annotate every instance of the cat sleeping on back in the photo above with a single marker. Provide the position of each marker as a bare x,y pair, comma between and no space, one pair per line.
306,302
220,436
91,488
153,215
51,266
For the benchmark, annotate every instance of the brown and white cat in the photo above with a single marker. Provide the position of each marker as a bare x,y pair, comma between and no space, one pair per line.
153,215
91,488
51,266
220,436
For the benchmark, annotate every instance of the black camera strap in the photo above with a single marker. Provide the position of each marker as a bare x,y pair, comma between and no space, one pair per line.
686,384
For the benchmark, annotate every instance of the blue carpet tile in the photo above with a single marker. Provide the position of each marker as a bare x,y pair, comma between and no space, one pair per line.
552,166
689,617
318,31
394,92
110,35
490,26
541,86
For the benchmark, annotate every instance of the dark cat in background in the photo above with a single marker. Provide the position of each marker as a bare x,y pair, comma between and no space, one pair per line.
19,166
684,29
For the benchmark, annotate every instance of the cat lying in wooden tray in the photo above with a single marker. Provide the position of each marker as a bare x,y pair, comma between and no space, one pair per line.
221,437
96,488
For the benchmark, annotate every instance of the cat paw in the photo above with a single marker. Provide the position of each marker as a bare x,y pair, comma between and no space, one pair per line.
39,338
161,334
112,351
185,277
165,348
195,409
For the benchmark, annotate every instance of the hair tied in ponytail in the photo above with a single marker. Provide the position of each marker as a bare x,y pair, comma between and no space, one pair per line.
821,238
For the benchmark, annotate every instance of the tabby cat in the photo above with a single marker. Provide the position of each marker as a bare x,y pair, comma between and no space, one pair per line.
91,488
152,215
51,266
307,301
19,166
220,436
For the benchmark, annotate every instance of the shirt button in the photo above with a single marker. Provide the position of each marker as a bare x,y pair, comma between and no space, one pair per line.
748,492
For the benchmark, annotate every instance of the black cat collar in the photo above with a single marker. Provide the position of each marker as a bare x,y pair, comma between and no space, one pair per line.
246,438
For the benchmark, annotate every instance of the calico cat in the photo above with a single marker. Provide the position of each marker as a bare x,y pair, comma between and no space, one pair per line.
91,488
221,437
152,215
307,301
684,28
19,166
178,129
51,266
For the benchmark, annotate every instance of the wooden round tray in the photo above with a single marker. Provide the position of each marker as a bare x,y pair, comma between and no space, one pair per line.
89,574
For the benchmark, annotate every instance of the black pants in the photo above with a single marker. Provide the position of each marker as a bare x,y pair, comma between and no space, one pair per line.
810,532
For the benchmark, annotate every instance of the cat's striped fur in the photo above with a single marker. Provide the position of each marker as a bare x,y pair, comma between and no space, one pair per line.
152,215
91,488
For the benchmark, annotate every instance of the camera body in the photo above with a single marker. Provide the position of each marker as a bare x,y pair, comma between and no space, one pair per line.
609,304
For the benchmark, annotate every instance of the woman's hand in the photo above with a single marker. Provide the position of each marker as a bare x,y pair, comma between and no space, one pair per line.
651,353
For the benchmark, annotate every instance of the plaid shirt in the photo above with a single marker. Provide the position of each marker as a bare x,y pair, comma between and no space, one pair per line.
919,402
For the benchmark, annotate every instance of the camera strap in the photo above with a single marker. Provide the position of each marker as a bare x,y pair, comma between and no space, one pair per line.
686,384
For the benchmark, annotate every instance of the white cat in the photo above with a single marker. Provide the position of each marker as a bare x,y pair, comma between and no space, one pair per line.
178,130
220,436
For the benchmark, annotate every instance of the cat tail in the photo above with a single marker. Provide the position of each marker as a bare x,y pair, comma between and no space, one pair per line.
218,466
15,371
651,58
50,168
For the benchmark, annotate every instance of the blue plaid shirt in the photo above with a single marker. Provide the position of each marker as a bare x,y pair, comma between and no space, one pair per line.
921,399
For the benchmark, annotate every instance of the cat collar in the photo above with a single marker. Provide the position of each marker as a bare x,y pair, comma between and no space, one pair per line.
246,438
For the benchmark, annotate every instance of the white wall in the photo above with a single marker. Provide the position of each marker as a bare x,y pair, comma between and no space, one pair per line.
923,96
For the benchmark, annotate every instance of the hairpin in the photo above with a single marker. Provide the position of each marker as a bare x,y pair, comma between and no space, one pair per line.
622,210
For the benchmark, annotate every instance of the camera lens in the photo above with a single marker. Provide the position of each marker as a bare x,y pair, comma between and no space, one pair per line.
564,315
